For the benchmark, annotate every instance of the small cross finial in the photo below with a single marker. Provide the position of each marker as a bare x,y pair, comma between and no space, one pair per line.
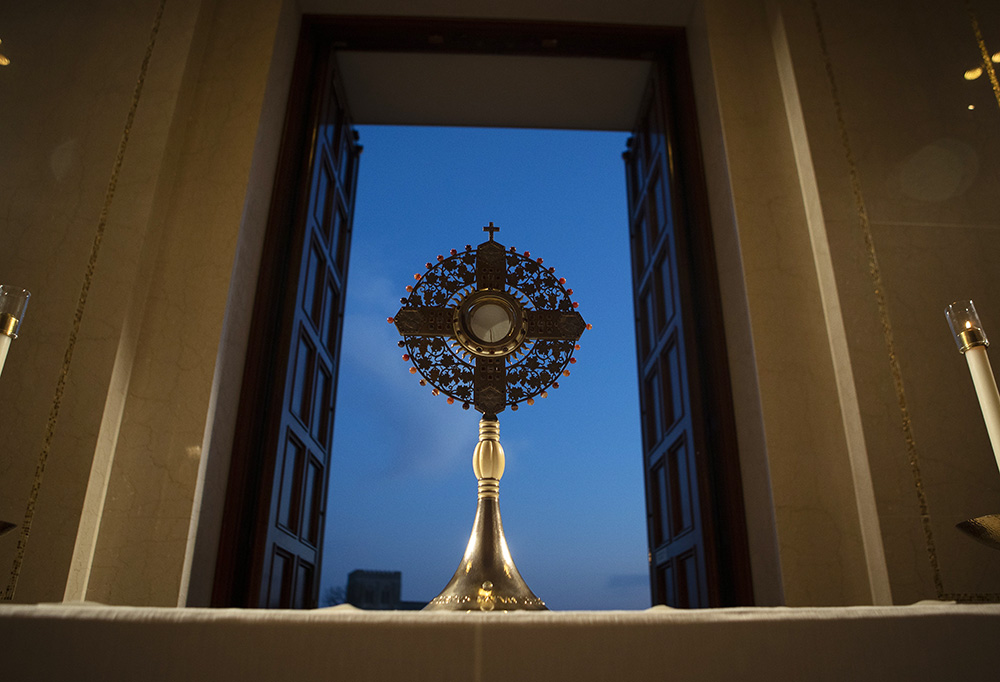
491,229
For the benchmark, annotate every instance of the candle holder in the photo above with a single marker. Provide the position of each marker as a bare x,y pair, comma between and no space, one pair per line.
972,343
965,325
13,302
489,328
986,529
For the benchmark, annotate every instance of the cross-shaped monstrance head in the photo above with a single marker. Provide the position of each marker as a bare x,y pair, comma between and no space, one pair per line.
489,327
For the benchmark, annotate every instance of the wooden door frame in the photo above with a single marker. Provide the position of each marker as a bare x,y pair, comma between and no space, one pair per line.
237,577
709,385
250,462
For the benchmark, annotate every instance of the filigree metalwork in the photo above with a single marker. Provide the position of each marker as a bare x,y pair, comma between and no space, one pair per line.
489,327
443,281
441,367
537,283
539,369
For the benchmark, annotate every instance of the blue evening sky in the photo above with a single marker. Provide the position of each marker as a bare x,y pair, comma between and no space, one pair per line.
402,492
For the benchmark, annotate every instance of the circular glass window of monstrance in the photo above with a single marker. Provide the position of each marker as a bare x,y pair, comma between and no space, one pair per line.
490,322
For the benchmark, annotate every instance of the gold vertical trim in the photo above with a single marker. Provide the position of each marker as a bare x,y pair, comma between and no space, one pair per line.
88,277
883,308
987,62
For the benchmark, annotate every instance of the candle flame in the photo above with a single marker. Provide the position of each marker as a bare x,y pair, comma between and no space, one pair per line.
968,325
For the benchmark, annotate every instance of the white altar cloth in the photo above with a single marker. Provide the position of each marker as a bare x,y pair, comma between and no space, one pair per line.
926,641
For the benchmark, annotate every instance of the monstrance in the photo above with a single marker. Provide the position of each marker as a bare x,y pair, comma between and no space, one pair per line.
490,328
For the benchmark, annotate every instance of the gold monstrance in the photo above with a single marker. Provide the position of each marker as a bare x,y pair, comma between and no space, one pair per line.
490,328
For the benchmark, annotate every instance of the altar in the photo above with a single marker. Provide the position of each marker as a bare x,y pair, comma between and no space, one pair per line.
925,641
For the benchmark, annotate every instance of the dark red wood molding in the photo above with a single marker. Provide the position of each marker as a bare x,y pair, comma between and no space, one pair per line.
719,462
497,37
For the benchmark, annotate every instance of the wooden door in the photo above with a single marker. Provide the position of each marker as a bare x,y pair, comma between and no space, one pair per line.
294,534
276,502
694,505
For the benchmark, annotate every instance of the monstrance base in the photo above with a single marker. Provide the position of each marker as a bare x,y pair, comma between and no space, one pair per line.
487,579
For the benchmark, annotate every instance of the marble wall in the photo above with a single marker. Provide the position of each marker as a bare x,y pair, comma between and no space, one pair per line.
911,207
70,90
862,204
786,383
167,313
131,503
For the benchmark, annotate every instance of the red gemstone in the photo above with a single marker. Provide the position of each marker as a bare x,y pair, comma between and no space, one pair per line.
389,320
413,370
429,266
576,347
423,382
416,275
562,280
569,291
590,326
454,251
409,287
552,271
555,384
406,357
539,260
435,392
576,304
465,406
440,257
451,401
527,254
572,361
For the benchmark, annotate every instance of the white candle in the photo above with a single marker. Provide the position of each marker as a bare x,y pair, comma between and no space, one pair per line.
972,342
986,390
4,347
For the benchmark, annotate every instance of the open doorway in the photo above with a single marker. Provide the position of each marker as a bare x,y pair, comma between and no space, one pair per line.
271,547
402,493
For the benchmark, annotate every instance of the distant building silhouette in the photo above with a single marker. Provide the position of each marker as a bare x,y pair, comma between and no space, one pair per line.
378,590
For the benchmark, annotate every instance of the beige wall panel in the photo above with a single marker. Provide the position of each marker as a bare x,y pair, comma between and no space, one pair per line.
921,157
822,557
67,94
141,550
754,470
